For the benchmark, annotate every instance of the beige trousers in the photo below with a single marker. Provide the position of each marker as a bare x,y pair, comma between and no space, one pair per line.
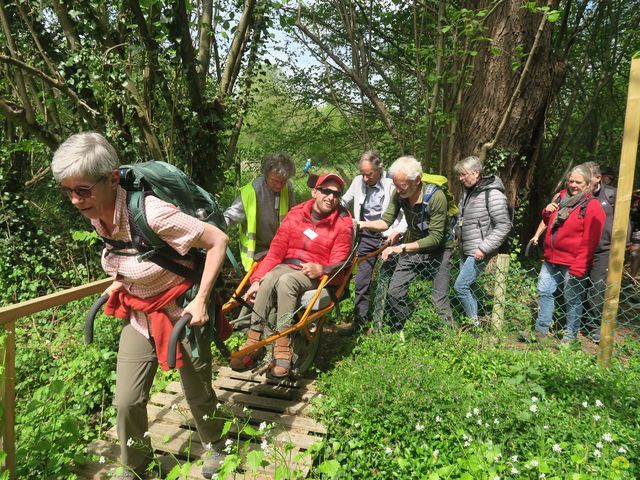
136,368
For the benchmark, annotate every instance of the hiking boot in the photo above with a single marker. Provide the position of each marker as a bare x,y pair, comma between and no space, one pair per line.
211,463
349,330
281,358
250,360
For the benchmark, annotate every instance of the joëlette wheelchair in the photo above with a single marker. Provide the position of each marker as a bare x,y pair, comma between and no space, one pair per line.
307,321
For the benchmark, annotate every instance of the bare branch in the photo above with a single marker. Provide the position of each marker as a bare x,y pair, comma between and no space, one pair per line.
205,38
235,52
17,116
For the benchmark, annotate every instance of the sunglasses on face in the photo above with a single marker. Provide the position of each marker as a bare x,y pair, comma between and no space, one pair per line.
327,191
82,192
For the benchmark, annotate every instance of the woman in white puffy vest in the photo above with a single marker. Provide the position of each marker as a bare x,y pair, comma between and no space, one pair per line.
483,226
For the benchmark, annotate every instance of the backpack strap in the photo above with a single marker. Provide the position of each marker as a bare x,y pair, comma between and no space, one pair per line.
429,190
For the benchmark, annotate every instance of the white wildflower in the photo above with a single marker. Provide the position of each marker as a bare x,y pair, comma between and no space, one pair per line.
476,411
245,409
514,471
174,406
556,448
607,437
218,405
357,425
438,419
436,452
205,417
467,443
546,427
129,442
534,399
468,415
599,404
419,427
542,475
533,463
263,426
228,442
465,437
388,450
599,445
264,445
597,453
597,417
533,408
496,421
513,458
102,459
146,434
622,450
585,404
497,477
479,421
208,446
486,425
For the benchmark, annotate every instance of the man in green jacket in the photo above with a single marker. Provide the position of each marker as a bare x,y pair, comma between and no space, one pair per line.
261,206
426,245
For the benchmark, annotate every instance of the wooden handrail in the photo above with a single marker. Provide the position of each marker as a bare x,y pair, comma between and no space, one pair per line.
8,317
13,312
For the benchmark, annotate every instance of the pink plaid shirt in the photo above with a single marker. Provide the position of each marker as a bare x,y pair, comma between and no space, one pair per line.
146,279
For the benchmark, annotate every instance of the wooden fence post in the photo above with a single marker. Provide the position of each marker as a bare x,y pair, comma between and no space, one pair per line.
8,393
621,215
500,290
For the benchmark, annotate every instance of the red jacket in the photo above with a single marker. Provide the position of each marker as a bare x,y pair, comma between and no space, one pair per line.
574,242
327,242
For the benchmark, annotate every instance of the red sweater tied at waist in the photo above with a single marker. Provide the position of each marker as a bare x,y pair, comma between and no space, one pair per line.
121,303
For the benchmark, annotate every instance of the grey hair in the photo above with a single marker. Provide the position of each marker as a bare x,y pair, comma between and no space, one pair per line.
279,163
582,170
87,155
594,167
408,165
373,158
469,164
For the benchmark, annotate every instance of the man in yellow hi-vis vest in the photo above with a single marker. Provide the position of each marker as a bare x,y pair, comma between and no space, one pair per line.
261,206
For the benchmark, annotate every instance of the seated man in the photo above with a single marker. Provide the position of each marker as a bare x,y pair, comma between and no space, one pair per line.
261,206
314,237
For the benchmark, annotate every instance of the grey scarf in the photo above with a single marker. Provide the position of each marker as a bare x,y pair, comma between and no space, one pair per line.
567,205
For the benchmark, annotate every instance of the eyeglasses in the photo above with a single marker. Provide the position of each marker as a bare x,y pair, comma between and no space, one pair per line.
327,191
82,192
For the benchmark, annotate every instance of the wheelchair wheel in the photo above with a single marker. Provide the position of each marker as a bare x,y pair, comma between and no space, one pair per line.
304,352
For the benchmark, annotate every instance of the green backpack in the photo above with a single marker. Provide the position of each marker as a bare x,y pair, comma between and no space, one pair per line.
172,185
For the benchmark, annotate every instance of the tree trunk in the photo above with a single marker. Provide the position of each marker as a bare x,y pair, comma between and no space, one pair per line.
486,102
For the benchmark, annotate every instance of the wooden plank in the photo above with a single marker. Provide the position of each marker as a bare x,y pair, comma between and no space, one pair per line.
13,312
302,383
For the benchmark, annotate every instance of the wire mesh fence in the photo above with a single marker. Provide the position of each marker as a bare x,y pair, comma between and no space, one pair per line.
519,296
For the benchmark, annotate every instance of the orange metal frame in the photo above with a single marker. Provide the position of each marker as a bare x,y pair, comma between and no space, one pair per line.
309,316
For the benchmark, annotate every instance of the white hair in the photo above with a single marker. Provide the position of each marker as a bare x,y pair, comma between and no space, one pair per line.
84,155
407,165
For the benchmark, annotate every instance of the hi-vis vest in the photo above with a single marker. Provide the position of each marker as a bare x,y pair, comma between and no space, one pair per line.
248,236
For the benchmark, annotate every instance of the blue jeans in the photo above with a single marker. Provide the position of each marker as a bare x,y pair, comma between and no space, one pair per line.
551,275
469,271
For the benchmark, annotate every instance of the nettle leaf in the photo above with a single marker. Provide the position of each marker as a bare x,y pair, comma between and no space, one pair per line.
329,467
254,460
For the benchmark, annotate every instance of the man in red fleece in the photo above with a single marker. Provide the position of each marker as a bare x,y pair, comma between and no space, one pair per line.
313,240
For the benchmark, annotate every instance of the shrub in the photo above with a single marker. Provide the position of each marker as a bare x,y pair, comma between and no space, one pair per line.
460,408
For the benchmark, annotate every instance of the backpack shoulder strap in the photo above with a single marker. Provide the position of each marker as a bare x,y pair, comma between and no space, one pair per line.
429,190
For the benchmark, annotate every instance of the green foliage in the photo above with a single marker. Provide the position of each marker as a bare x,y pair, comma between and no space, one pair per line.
34,260
64,389
460,409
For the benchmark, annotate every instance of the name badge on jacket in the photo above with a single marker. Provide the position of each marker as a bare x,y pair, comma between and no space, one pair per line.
310,234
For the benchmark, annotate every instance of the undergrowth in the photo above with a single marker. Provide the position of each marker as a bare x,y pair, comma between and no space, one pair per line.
460,408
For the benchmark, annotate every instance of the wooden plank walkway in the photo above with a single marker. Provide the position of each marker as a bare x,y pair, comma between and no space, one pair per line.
245,396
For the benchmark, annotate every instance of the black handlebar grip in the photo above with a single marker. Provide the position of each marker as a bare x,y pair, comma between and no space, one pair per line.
91,316
173,339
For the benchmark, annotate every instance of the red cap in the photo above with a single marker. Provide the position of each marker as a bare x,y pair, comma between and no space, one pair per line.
325,177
